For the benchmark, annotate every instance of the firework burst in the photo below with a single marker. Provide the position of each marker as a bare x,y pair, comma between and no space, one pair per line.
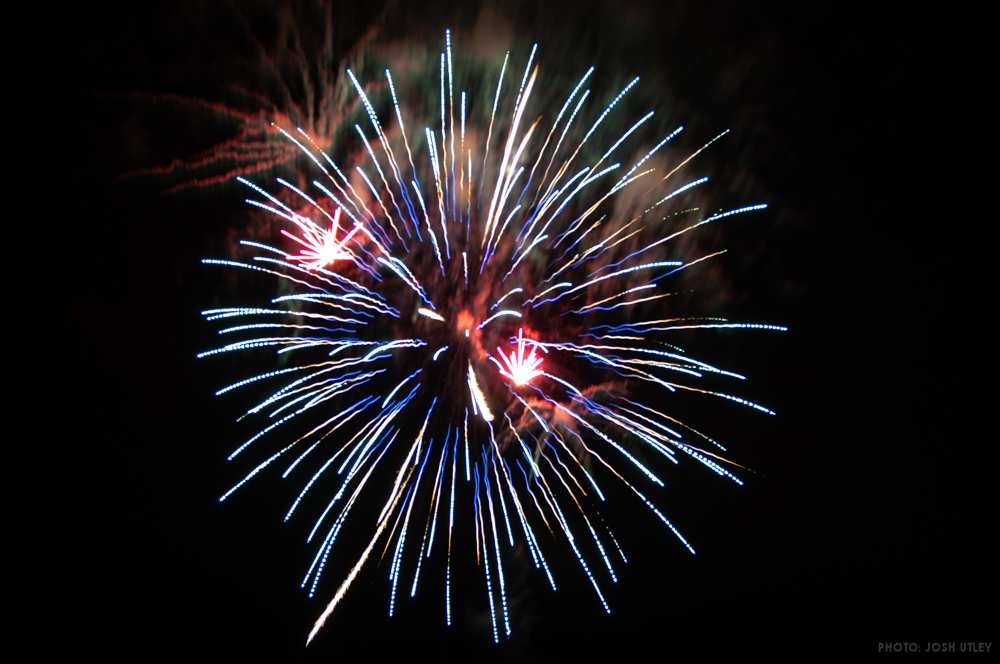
401,272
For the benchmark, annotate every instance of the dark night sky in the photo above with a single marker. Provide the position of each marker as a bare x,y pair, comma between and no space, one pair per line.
867,520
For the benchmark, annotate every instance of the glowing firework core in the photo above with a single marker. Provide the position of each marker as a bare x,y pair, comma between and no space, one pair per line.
321,248
520,369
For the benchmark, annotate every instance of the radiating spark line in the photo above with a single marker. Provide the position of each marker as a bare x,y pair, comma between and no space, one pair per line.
502,312
430,314
477,396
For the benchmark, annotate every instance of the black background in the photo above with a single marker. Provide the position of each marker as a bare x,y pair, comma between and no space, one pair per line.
867,522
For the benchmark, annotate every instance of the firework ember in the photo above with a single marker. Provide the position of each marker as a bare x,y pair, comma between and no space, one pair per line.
499,226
